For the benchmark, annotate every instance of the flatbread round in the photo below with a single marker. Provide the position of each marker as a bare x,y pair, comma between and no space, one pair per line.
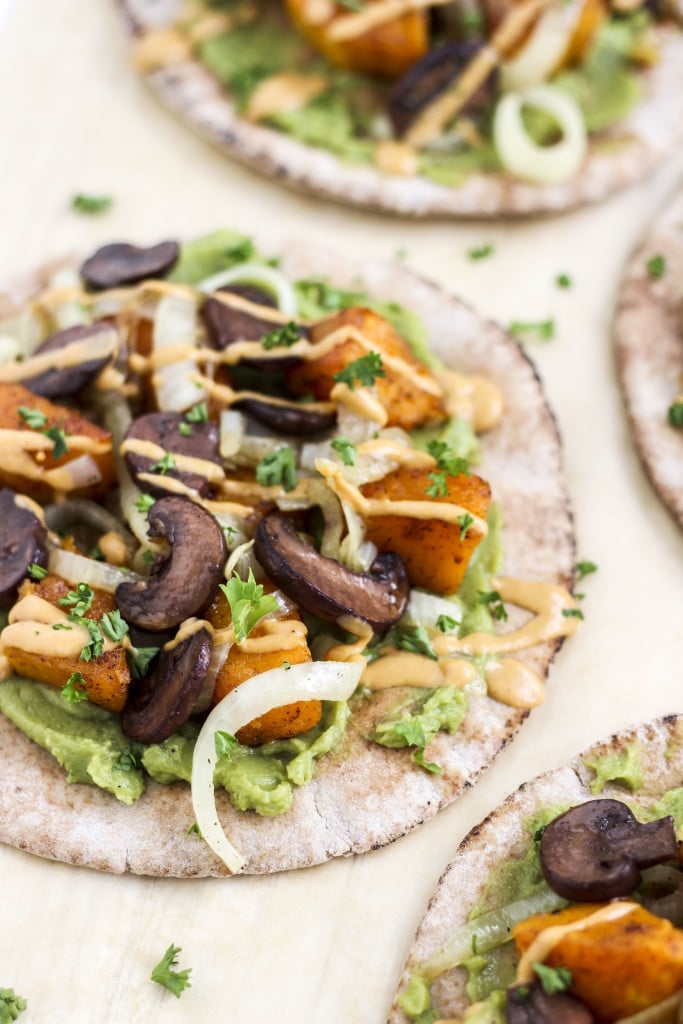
502,837
649,345
624,155
363,795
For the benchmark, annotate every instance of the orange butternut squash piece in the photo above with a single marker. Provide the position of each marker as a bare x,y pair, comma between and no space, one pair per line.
107,678
407,403
618,967
242,664
436,556
15,396
387,50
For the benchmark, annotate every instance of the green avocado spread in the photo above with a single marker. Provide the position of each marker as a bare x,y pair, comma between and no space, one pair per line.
345,118
88,742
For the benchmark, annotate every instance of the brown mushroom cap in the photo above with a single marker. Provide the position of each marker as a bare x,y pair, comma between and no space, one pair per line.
121,263
187,581
226,325
595,851
323,586
163,428
70,380
530,1004
23,542
294,418
160,702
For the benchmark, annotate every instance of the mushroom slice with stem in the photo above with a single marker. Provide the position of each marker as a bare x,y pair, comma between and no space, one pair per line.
323,586
595,851
160,702
23,542
187,581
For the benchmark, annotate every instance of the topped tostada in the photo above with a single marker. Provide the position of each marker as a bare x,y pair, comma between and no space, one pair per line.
565,906
248,484
426,107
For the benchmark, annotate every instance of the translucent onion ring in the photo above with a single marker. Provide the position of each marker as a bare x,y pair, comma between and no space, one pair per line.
545,49
520,155
258,274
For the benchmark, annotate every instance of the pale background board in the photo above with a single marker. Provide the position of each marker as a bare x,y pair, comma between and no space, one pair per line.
327,944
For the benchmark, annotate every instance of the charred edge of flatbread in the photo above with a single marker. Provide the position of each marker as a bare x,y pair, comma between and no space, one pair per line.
344,810
623,155
503,836
648,337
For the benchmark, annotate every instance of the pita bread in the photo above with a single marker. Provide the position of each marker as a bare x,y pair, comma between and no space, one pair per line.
502,837
363,796
649,346
641,142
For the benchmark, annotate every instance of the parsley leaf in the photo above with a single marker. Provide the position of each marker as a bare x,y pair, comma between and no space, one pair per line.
345,450
542,330
278,469
553,979
445,623
656,266
248,604
83,203
73,690
127,761
144,502
481,252
33,418
194,829
36,572
79,600
198,413
139,659
584,569
113,626
465,521
495,604
447,460
185,429
58,438
11,1005
164,974
95,645
572,613
281,337
417,640
164,464
363,371
563,281
437,486
675,414
225,743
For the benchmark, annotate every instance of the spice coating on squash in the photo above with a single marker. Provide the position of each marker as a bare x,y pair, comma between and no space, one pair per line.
435,555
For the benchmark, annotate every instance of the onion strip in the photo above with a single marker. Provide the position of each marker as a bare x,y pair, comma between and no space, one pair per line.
258,274
79,569
318,680
522,156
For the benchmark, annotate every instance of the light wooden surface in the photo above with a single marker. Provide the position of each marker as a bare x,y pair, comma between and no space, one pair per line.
327,944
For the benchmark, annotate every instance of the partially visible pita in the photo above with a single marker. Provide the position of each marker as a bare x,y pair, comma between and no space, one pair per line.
621,157
649,345
504,836
363,796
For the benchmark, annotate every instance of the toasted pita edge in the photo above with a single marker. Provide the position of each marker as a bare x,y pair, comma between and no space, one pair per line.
624,155
346,809
503,836
648,336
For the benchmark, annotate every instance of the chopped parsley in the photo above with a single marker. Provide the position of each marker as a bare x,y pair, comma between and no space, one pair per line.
194,829
445,623
36,572
95,645
164,973
73,690
563,281
127,761
465,521
281,337
11,1005
58,438
113,626
553,979
225,743
278,469
79,600
139,659
83,203
248,604
185,429
437,486
144,502
363,371
584,569
198,413
481,252
447,460
542,330
494,602
36,420
229,532
33,418
417,640
656,266
345,450
164,464
675,414
572,613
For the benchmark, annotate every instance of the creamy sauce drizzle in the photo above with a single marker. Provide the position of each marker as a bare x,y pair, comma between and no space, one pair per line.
30,629
99,346
472,397
280,94
159,49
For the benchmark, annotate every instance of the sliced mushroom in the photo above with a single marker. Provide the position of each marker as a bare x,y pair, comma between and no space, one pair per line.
227,324
323,586
187,581
529,1004
250,292
430,77
595,851
121,263
69,380
160,702
23,542
164,430
295,418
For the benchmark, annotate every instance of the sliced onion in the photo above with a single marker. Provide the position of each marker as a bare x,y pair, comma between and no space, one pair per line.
317,680
175,323
219,656
10,348
231,432
545,49
425,608
79,569
82,471
260,275
520,154
70,313
242,560
489,930
65,514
